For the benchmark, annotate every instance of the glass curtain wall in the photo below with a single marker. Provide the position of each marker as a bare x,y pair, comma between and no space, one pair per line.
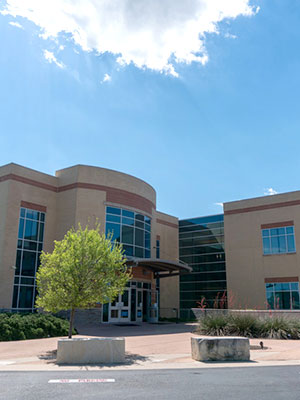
131,229
201,245
29,247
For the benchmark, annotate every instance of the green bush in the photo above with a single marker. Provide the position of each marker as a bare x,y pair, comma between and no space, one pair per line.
244,325
249,326
214,325
280,328
15,326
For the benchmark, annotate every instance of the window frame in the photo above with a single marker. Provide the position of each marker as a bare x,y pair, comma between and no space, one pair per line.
268,235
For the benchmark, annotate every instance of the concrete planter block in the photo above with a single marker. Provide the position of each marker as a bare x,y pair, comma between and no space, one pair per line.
91,351
220,348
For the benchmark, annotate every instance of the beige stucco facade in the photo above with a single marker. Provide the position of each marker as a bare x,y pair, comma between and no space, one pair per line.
247,268
79,194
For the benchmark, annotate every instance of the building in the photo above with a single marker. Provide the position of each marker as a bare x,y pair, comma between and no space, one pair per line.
38,208
259,237
201,245
244,258
262,236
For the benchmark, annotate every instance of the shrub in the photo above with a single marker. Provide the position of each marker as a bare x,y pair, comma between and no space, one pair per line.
31,326
213,325
249,326
244,325
278,328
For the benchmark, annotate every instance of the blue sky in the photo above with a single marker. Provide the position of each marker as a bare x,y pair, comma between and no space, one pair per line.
201,133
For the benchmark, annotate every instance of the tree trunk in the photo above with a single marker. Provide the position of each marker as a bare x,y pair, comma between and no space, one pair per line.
71,322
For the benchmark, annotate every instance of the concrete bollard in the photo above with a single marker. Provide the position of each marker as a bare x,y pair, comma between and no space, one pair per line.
91,351
220,348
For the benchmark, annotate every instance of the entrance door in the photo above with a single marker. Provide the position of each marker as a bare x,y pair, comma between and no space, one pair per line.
133,305
139,305
119,308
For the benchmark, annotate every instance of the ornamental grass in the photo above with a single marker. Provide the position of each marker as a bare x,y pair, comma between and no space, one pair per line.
249,326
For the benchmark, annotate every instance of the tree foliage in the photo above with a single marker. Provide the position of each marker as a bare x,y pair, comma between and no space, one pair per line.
85,268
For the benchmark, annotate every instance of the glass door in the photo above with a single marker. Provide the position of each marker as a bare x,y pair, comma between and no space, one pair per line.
124,306
139,305
114,310
119,308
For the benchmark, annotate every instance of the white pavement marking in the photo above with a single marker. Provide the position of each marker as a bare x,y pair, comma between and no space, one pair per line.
7,362
80,380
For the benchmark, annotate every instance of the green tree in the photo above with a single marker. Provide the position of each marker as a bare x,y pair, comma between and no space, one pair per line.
84,268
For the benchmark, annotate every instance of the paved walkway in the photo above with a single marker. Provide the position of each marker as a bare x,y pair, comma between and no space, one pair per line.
148,346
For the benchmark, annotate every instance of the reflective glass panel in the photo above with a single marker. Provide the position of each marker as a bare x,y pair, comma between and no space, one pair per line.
128,250
127,221
282,244
114,229
281,286
274,232
147,254
41,232
32,214
127,213
275,244
291,243
139,237
30,245
113,218
21,228
138,252
295,300
25,297
127,234
125,298
295,286
28,263
266,245
31,230
139,224
113,210
15,297
289,229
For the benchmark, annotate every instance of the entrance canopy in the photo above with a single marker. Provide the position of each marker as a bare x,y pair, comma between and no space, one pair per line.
161,268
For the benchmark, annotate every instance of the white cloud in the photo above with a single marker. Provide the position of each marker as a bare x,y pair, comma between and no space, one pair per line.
230,35
270,192
16,24
50,57
219,204
106,78
153,34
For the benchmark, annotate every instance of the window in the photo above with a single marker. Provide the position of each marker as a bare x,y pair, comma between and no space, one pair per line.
29,247
278,240
283,295
157,248
131,229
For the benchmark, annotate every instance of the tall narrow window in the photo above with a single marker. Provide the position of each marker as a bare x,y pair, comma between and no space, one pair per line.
29,247
157,248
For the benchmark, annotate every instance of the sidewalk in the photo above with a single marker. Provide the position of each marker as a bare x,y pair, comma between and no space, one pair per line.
147,347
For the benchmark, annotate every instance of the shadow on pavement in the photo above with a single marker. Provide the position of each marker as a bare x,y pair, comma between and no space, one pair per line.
145,329
130,359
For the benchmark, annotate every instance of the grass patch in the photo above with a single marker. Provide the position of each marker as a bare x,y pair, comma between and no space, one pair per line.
31,326
249,326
